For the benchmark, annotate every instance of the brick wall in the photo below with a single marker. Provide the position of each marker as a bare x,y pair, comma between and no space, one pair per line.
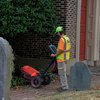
67,17
30,49
61,12
31,45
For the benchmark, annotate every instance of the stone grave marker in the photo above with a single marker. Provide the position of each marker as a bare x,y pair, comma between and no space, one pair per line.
6,68
80,76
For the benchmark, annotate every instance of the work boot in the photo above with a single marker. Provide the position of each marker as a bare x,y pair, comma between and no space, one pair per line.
60,89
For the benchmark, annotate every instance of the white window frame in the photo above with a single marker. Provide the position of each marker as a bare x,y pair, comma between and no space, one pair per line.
78,31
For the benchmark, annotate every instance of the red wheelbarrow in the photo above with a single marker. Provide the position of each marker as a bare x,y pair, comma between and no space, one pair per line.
36,77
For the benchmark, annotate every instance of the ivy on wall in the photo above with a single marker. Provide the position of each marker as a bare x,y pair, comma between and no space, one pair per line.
18,16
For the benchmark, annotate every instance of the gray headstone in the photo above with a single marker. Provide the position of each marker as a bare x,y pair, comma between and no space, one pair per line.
6,68
80,76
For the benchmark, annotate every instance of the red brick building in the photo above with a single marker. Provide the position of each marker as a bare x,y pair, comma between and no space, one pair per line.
88,31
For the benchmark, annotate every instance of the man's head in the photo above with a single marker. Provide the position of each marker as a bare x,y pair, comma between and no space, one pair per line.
59,31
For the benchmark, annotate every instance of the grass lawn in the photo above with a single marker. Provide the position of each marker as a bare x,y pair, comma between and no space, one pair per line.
75,95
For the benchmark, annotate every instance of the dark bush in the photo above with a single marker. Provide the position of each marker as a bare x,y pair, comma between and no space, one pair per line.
18,16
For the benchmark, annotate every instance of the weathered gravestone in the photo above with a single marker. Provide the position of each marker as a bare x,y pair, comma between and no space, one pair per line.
80,76
6,68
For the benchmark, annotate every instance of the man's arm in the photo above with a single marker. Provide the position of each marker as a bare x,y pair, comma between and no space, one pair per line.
59,51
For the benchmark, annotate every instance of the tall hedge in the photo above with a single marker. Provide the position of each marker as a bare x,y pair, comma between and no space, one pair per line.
18,16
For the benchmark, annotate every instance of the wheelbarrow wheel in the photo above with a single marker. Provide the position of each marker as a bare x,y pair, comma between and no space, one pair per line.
46,80
36,81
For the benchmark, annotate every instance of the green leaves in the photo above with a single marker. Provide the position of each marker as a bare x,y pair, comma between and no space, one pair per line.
18,16
18,81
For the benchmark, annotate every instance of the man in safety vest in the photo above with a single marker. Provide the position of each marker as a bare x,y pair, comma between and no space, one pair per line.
62,56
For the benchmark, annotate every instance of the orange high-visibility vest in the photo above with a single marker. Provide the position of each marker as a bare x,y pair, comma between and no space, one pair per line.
64,44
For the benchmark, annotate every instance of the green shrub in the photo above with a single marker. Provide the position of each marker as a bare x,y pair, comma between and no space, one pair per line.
18,81
17,16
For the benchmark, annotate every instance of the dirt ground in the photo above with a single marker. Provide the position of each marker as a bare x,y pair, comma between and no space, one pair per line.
29,93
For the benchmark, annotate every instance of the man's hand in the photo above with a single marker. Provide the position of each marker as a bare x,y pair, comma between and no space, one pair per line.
53,55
